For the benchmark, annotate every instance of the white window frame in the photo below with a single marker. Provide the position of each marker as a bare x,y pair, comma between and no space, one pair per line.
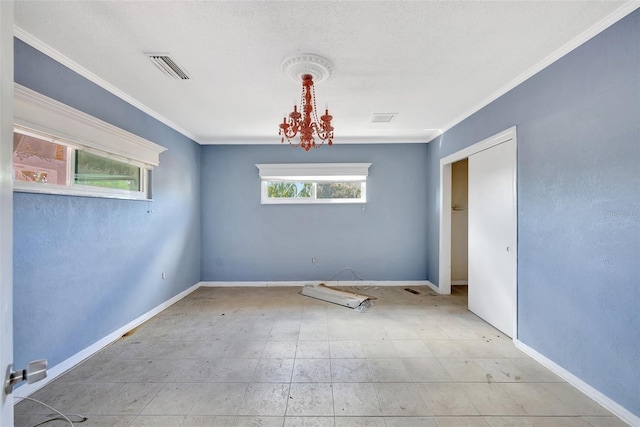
315,173
45,118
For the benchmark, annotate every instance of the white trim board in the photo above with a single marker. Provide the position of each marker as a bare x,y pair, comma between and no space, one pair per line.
74,66
62,367
444,274
596,29
609,404
337,283
52,120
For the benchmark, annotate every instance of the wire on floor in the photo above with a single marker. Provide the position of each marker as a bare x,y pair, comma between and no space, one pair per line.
60,416
353,273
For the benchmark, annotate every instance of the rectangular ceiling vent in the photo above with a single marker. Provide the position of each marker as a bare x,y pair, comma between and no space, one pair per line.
382,117
168,66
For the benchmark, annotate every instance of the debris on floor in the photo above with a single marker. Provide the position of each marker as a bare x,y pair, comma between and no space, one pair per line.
412,291
338,296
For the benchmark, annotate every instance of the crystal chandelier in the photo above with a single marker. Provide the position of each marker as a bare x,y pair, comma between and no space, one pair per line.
304,122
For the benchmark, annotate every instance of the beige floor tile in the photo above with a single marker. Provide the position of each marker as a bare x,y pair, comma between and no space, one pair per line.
410,360
412,348
279,350
425,370
410,422
245,349
237,370
313,350
536,422
265,399
350,371
461,422
446,348
500,370
158,421
360,422
345,349
356,399
446,399
258,422
284,331
130,399
174,399
219,399
158,371
67,397
311,370
492,399
373,348
401,399
92,421
201,370
464,370
388,370
537,400
401,332
342,331
273,371
308,399
532,371
207,421
605,421
105,369
309,422
580,403
314,333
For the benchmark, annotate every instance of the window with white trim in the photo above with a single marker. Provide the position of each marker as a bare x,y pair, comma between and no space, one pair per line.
42,163
309,183
60,150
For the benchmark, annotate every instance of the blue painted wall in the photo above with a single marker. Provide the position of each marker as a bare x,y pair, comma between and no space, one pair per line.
578,130
84,267
246,241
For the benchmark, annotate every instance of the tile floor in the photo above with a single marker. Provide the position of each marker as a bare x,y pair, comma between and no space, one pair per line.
272,357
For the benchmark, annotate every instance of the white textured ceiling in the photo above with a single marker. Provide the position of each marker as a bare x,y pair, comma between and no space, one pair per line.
432,62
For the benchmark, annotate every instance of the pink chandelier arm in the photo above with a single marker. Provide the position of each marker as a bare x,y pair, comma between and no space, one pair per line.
305,122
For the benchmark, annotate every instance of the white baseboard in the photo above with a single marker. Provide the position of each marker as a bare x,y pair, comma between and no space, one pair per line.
404,283
612,406
62,367
459,282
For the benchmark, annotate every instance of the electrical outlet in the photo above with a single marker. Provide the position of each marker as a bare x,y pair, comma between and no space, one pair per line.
164,275
313,260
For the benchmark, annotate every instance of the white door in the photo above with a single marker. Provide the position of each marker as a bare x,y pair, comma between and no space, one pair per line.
6,204
492,235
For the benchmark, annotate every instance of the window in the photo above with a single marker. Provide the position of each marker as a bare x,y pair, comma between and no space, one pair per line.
314,183
43,164
60,150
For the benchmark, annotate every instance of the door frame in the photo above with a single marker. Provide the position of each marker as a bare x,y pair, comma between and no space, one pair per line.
6,205
444,279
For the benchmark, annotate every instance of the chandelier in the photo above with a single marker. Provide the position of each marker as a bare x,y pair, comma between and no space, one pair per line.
313,133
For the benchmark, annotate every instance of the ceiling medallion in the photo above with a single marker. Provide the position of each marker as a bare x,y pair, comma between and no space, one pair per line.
307,67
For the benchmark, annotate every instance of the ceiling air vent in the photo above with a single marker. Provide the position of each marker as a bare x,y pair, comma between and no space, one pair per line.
168,66
382,117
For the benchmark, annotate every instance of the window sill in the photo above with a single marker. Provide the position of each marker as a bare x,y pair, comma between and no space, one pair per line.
78,191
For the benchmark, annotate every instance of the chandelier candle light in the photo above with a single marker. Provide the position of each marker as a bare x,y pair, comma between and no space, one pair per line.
305,121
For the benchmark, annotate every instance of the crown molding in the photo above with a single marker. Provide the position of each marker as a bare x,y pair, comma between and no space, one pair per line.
596,29
74,66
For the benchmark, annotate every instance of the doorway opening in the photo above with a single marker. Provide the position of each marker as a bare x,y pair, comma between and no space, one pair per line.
452,212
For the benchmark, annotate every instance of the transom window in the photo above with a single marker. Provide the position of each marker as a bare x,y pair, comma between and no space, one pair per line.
313,183
42,163
60,150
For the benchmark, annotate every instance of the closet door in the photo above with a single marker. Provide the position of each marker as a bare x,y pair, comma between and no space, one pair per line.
492,235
